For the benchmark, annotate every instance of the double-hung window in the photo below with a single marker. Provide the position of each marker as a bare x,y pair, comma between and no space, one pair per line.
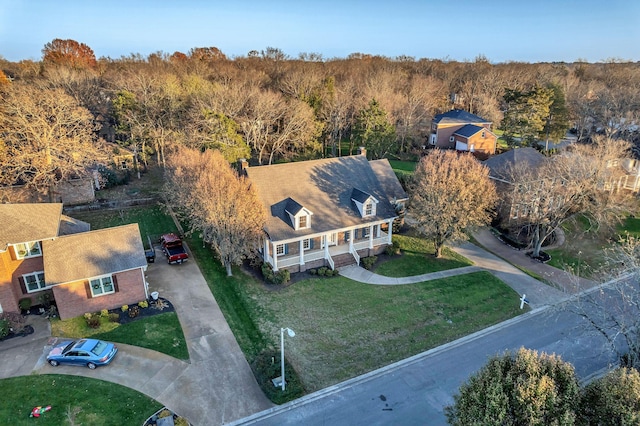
30,249
302,222
34,282
368,209
102,285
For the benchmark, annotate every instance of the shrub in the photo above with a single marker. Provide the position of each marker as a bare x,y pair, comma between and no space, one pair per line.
164,413
367,262
114,317
322,271
125,308
87,315
134,311
93,321
143,304
25,303
5,327
313,271
104,313
282,277
45,298
392,249
180,421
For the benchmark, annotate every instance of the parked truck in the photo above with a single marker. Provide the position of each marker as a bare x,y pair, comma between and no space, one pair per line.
173,249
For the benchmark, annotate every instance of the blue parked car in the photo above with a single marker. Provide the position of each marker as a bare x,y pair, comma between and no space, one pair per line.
89,352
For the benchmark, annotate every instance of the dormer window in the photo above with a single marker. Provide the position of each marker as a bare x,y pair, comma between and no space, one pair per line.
368,208
366,203
299,216
30,249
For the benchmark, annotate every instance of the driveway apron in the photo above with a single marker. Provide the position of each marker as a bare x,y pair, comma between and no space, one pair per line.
217,386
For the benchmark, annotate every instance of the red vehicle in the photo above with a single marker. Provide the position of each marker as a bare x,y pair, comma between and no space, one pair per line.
173,249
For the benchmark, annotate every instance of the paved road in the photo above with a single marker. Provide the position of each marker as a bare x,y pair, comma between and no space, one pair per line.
415,391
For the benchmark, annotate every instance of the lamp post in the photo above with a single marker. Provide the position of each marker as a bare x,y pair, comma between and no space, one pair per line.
291,333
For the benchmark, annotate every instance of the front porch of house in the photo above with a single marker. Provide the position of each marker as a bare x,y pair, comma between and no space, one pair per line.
324,249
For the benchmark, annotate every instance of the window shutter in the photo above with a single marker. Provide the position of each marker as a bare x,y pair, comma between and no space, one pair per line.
87,287
286,249
310,243
115,283
355,234
23,287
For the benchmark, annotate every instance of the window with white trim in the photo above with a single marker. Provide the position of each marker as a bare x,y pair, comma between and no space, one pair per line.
30,249
280,249
365,232
102,285
306,244
368,208
303,222
34,282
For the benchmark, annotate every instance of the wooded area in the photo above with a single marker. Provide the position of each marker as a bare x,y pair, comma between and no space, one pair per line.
271,107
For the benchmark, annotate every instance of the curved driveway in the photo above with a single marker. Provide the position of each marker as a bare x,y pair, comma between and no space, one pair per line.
216,386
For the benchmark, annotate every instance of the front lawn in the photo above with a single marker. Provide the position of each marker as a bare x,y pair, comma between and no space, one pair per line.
417,258
161,332
74,400
344,328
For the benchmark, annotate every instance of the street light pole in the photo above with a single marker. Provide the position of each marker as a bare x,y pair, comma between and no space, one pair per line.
291,333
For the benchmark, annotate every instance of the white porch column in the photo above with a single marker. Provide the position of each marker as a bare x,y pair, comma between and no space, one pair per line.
275,257
325,238
389,241
351,240
265,251
301,252
370,236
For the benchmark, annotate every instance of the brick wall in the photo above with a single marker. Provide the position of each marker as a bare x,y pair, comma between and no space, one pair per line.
75,299
10,271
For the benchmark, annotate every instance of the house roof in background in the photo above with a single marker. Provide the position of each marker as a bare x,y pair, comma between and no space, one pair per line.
90,254
469,130
69,225
322,186
28,222
388,179
458,116
500,164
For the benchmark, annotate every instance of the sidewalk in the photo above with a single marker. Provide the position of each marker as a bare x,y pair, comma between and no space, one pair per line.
538,294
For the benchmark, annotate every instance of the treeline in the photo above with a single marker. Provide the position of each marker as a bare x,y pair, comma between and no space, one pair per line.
269,107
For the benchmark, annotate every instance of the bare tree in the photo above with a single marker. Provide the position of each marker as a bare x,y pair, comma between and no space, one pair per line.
450,194
216,202
577,182
46,137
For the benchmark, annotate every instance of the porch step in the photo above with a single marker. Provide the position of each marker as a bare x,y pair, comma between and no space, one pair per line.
342,260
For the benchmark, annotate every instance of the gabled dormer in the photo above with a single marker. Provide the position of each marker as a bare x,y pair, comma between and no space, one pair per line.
365,202
300,217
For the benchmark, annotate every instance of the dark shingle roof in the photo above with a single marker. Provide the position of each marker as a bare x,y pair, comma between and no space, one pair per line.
458,116
293,207
468,130
359,196
90,254
388,179
322,186
499,165
28,222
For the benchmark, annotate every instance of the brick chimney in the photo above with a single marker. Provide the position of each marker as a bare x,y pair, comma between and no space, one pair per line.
362,151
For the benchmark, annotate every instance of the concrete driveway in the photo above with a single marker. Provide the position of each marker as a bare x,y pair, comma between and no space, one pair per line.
216,386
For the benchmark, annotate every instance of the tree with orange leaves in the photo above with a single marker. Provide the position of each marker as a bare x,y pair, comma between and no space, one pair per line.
70,53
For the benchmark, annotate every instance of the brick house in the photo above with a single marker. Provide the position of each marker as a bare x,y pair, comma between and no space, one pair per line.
462,131
328,212
42,250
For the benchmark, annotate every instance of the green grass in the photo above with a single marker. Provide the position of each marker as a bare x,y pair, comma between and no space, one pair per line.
630,226
152,220
404,166
96,402
417,258
344,328
161,332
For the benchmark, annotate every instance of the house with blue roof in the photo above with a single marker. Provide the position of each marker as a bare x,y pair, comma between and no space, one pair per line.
460,130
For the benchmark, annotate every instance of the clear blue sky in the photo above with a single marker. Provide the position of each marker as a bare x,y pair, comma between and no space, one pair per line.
501,30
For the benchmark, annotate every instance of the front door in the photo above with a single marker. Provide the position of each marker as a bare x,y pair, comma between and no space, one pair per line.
333,239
